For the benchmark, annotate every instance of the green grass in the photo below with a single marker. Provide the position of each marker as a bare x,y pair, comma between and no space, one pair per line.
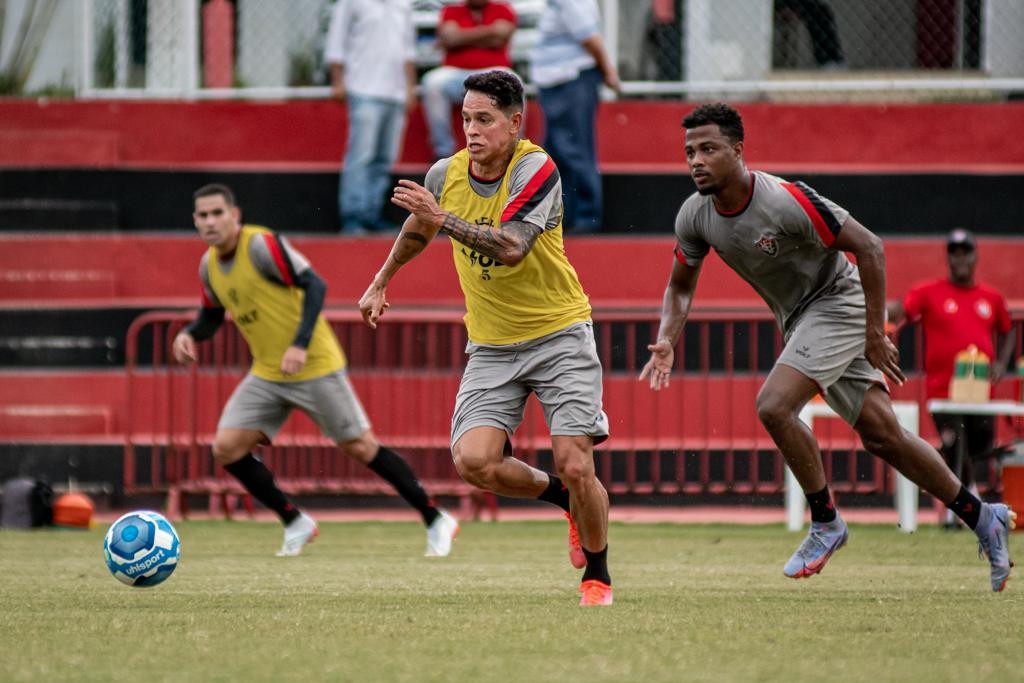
692,603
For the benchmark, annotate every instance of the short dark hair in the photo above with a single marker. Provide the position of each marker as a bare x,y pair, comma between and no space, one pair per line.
725,117
503,87
214,189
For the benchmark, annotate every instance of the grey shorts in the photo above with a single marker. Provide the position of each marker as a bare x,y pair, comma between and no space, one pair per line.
329,401
827,345
562,369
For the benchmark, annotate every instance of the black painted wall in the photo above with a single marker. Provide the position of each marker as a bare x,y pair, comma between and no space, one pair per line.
80,199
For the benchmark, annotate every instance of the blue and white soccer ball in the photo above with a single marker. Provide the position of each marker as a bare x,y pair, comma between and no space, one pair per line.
141,548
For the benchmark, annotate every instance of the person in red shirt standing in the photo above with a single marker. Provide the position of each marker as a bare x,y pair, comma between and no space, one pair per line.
475,37
956,312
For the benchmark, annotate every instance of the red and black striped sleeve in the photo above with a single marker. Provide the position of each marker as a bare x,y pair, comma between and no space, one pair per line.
541,184
825,223
279,255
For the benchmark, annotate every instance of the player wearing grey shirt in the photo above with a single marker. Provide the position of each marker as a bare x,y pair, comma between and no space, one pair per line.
788,242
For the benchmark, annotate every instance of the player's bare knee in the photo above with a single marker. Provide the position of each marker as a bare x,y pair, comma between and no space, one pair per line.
884,440
226,452
475,468
363,449
772,413
575,472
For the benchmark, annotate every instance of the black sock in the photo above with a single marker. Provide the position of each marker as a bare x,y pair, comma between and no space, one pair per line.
393,468
597,566
259,481
822,508
556,493
966,506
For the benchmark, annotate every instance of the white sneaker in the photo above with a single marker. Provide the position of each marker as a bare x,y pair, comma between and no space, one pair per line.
440,535
301,531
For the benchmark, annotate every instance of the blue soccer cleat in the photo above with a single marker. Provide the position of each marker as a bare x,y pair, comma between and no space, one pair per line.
994,524
823,539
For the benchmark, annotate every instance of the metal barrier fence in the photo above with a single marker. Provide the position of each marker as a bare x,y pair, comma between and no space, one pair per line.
740,48
701,436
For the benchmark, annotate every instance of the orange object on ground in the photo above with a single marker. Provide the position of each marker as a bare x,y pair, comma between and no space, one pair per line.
73,509
1013,488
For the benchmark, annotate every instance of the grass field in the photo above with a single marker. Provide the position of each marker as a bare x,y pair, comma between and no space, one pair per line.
692,603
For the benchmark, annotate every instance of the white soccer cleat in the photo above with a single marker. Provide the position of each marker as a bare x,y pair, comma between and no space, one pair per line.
440,535
301,531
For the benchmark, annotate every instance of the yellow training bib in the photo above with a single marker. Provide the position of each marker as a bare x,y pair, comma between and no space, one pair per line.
510,304
268,313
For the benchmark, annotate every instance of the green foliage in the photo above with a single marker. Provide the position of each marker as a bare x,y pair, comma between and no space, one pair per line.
301,68
105,68
27,42
692,603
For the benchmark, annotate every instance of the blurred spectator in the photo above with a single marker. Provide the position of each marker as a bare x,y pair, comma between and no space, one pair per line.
475,37
665,39
568,64
820,21
370,49
955,312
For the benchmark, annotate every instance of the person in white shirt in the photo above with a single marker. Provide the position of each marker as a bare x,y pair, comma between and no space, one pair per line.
370,49
568,64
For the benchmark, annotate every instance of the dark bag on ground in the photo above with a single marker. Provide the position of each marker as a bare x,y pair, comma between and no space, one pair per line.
26,503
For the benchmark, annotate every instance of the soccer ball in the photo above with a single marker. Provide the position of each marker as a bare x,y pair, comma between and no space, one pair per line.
141,548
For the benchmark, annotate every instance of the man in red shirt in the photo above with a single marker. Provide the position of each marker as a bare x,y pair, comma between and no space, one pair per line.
956,312
475,37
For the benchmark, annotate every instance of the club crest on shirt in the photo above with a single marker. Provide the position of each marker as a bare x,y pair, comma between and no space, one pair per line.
983,308
768,244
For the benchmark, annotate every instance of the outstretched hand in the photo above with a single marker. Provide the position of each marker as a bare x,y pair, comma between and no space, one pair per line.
184,348
418,201
659,368
373,304
883,354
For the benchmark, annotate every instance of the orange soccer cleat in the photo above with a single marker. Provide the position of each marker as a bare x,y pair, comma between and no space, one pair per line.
594,592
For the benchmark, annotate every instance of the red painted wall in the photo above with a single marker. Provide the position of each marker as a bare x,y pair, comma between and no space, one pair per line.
161,270
634,136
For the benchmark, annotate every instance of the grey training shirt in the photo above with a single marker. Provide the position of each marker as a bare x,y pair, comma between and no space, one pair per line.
779,242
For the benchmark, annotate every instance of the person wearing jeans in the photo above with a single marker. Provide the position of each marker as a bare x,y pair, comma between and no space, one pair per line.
370,49
374,139
475,37
568,65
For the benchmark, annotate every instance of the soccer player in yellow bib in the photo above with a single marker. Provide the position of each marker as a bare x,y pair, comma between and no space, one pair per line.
499,200
275,298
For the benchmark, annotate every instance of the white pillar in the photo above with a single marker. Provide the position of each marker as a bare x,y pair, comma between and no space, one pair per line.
908,415
122,44
171,45
85,68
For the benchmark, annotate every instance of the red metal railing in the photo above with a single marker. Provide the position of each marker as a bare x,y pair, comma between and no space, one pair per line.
701,435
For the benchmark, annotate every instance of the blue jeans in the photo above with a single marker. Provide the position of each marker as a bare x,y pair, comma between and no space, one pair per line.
442,87
374,138
570,113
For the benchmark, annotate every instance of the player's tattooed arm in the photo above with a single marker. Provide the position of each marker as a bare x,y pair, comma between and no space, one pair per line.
509,243
408,246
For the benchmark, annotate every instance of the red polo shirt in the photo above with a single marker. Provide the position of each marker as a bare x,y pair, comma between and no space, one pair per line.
953,318
478,57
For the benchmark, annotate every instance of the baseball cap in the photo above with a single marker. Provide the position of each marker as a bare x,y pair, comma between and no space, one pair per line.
960,238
